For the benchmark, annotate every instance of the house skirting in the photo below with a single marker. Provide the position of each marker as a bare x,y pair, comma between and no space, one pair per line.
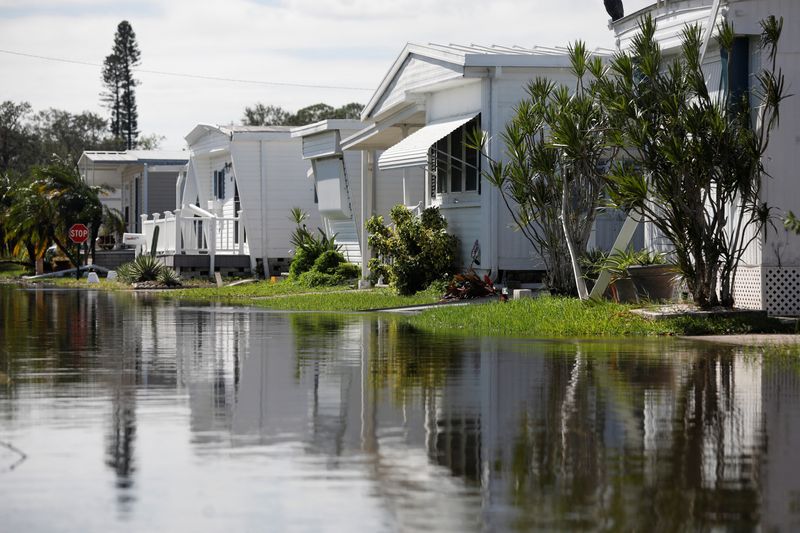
775,290
197,265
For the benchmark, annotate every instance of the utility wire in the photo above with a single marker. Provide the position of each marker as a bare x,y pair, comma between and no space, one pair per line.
192,76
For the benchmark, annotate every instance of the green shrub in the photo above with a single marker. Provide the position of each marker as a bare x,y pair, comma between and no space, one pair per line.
328,262
307,246
303,262
414,252
312,278
348,271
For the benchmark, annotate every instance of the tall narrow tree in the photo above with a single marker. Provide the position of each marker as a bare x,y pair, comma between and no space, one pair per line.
120,96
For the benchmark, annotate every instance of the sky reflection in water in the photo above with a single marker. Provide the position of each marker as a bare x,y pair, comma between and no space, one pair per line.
140,414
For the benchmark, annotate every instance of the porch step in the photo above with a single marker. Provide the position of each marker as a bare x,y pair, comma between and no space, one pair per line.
347,239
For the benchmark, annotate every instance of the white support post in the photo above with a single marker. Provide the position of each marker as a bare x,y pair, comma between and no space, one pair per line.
212,245
138,249
366,207
620,245
240,236
178,232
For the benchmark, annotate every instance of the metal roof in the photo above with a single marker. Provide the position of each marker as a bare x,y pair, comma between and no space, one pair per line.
477,55
137,156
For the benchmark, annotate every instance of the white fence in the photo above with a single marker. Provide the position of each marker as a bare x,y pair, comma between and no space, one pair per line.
195,231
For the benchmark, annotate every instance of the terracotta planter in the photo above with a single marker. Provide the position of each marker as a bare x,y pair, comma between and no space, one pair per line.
654,282
624,291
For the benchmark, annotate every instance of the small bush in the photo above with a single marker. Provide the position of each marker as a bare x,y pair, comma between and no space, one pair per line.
412,253
303,262
313,278
348,271
328,262
307,246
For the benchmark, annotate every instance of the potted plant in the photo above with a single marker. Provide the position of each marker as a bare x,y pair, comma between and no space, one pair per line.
653,277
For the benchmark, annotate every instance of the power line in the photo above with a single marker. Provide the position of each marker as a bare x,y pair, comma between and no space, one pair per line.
192,76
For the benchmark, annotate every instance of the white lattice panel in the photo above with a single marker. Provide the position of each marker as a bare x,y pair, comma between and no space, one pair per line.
782,290
747,291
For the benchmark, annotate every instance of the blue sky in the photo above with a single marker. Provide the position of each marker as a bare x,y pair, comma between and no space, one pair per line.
348,43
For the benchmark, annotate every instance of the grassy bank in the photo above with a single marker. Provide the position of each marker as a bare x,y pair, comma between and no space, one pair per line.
292,296
545,317
551,317
10,270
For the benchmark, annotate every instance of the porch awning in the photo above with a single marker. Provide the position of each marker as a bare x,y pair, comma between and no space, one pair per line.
413,150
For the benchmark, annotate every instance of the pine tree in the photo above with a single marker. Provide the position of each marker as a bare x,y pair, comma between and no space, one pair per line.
120,96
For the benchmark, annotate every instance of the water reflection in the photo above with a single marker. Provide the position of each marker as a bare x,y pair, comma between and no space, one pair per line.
372,426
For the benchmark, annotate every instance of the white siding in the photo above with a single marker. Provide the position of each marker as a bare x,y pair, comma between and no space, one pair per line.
247,168
465,223
352,169
332,193
320,144
454,102
781,189
389,190
416,73
513,250
287,186
671,19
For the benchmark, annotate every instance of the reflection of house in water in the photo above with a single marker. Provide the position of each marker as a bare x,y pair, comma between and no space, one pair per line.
505,434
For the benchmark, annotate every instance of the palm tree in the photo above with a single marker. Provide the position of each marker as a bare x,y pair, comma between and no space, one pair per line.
46,204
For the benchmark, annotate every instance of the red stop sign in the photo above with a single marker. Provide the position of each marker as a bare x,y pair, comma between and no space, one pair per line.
78,233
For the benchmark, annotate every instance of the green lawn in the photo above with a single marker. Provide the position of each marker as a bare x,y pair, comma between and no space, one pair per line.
292,296
552,317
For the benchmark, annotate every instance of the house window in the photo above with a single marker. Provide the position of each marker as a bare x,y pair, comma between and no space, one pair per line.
454,167
219,184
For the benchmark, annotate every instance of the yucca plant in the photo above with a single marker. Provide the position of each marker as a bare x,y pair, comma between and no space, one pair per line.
168,277
143,268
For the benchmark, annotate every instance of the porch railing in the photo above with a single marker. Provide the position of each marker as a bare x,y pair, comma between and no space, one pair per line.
193,230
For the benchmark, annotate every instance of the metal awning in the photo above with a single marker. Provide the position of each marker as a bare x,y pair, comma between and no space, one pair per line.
413,150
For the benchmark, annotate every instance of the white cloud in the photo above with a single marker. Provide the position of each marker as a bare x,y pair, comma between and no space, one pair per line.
326,42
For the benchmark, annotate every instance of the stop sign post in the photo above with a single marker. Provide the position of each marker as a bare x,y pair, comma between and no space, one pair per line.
78,233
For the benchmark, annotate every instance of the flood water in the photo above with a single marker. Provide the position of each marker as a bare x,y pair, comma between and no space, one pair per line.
120,412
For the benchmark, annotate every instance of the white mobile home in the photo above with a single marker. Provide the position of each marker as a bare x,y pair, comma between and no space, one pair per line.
234,201
417,120
337,177
143,181
769,275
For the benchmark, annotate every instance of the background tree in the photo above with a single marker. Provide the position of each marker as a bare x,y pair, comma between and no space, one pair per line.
65,135
553,181
120,95
269,115
696,161
16,137
265,115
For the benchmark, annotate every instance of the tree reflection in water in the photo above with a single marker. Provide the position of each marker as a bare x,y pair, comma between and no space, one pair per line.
441,432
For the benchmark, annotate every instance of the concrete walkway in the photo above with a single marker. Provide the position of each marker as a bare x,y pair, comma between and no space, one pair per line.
763,339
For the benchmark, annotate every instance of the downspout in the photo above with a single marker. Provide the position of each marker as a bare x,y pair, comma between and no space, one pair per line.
404,130
264,226
146,190
491,197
